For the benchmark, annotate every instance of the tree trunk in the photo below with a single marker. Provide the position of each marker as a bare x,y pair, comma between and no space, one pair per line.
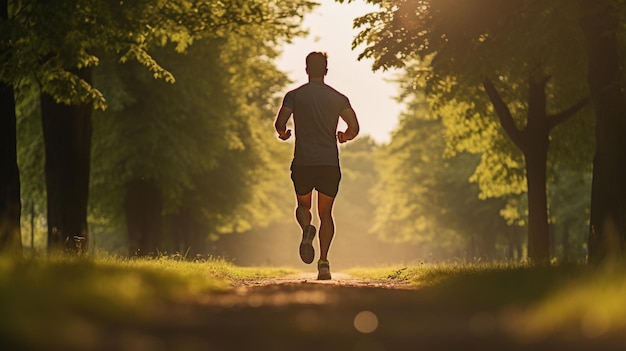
608,195
10,205
533,141
67,136
535,149
143,206
538,227
566,238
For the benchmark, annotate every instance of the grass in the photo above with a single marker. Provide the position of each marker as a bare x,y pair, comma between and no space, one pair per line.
595,304
65,297
563,299
54,296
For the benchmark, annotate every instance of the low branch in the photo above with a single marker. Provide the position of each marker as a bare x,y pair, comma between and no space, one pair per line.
563,116
504,114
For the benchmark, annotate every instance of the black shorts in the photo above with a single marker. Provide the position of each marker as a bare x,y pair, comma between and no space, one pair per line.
324,179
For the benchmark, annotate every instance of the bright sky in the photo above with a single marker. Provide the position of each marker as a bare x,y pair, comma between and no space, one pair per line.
372,95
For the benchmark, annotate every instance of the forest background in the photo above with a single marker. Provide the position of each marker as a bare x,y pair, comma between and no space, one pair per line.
145,129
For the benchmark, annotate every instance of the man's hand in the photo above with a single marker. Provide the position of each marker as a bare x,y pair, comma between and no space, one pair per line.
280,125
342,137
284,135
352,131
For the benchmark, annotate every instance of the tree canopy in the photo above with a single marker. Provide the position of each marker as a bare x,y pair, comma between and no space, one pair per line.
457,51
47,38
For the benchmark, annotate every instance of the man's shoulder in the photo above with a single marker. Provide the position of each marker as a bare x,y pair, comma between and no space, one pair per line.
313,89
295,90
291,95
332,89
335,91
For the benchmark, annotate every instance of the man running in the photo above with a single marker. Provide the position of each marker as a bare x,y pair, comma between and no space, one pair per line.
316,109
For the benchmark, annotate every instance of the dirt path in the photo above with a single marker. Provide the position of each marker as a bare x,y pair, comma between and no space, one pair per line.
339,279
344,314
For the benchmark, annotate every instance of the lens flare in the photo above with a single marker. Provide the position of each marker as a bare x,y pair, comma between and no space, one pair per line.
366,322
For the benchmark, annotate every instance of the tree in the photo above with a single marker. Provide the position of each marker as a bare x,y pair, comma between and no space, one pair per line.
31,161
601,22
533,141
54,51
461,45
10,206
67,138
425,197
56,43
197,148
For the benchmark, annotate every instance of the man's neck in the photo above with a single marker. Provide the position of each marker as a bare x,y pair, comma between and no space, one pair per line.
316,79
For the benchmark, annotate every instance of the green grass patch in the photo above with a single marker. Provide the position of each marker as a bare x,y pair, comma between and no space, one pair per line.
55,298
594,304
531,301
66,298
426,275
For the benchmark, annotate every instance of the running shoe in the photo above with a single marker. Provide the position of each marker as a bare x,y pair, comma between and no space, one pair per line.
307,253
323,270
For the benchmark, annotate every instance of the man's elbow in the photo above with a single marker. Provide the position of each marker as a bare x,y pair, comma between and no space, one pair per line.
280,127
355,129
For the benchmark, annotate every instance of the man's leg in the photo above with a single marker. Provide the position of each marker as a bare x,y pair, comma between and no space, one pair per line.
327,225
303,216
303,211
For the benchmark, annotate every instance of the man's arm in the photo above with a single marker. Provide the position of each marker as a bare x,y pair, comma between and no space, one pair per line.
281,123
349,116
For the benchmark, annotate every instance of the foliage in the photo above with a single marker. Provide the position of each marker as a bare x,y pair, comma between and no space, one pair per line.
80,32
447,49
355,207
111,37
202,139
570,203
425,196
495,51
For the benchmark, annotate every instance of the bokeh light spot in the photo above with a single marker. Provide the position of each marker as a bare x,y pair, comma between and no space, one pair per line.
366,322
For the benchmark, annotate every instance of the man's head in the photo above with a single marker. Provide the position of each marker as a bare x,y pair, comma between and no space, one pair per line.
316,64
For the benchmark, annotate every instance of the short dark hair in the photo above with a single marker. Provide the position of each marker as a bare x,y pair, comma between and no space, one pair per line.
316,64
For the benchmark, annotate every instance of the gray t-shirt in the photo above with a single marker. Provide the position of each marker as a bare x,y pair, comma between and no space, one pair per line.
316,108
